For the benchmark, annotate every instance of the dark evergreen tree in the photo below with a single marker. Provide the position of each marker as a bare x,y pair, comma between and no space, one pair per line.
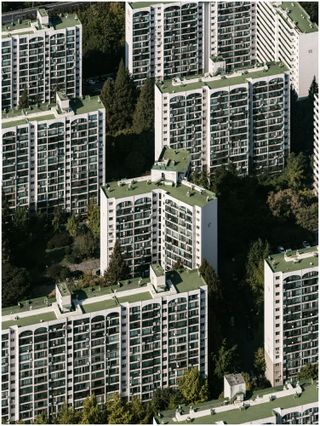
118,269
143,117
24,99
107,95
124,99
15,284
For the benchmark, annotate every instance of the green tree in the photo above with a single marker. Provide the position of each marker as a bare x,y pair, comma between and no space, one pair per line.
93,220
58,272
248,381
281,203
117,269
67,415
124,98
192,386
91,412
41,419
117,411
225,360
107,96
15,284
143,117
85,245
307,217
308,371
24,98
259,362
294,173
72,225
58,218
259,250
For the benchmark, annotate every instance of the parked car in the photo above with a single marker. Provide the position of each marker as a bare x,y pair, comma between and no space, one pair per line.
306,244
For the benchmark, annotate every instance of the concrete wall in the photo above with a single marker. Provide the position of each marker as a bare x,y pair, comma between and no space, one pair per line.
307,61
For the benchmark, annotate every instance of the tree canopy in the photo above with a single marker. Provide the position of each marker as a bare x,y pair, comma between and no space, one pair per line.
117,269
143,117
193,387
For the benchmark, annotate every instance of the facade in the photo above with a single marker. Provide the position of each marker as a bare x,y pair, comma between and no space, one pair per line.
290,405
176,39
41,57
316,154
54,155
160,218
290,313
285,33
130,338
241,118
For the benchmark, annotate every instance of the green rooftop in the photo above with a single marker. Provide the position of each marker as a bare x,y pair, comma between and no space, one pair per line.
58,22
299,16
158,269
138,297
176,160
180,192
99,306
24,306
251,414
142,4
278,263
185,280
64,289
87,104
223,81
31,320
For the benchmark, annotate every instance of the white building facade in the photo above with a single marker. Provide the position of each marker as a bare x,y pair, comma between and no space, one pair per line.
54,155
169,39
159,218
41,57
316,143
285,33
241,118
290,313
129,339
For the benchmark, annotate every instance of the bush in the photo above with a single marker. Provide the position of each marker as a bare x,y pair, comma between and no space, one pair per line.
61,239
85,246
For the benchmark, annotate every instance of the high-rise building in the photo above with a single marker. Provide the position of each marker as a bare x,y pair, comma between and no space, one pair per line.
240,118
160,218
316,154
53,155
40,58
177,39
232,33
290,313
284,32
131,339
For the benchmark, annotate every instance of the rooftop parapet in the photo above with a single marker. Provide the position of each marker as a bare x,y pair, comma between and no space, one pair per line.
293,260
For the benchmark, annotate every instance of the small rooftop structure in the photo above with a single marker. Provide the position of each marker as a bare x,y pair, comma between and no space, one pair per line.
294,260
157,277
63,296
234,385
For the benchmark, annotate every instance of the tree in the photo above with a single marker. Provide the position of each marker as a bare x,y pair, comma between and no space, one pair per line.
117,269
15,284
124,98
84,245
58,218
307,216
193,387
225,360
24,98
211,278
107,97
67,415
143,117
91,413
41,419
72,225
294,173
93,220
58,272
259,250
308,371
281,203
248,381
259,361
118,412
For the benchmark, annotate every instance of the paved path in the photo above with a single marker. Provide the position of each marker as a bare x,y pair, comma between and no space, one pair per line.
87,265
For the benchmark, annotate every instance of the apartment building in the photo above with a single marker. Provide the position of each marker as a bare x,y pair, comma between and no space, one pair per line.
131,338
53,155
41,57
177,39
290,313
316,143
240,118
159,218
231,35
285,33
290,405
